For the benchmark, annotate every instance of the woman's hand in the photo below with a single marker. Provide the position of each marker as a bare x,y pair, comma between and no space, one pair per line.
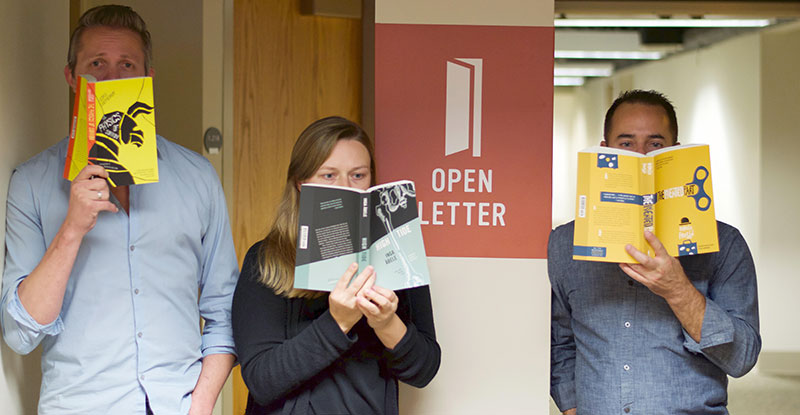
379,305
342,301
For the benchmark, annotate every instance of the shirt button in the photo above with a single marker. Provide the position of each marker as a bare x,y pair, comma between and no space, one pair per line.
629,281
627,323
140,336
132,248
627,410
141,377
136,291
626,367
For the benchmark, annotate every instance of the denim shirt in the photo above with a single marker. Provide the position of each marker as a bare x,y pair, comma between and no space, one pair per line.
130,320
617,348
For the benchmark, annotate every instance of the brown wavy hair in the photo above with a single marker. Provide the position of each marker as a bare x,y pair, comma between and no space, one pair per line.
313,147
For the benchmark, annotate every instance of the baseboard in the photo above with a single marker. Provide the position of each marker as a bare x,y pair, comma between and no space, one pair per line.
779,363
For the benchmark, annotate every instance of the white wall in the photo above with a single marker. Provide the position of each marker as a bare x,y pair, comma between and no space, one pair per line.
34,110
742,97
780,199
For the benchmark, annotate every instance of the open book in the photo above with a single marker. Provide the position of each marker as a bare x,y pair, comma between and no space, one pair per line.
379,226
621,193
113,125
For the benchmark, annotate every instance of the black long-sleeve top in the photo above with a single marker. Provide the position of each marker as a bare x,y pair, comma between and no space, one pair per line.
296,360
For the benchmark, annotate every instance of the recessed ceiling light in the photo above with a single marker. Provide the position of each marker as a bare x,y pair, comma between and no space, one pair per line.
592,69
567,81
607,54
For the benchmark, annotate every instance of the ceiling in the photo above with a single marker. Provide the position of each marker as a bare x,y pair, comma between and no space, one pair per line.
598,48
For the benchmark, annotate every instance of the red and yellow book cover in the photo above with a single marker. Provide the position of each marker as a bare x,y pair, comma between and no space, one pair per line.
113,125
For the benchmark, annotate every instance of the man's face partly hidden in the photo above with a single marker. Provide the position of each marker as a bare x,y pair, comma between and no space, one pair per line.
639,127
108,53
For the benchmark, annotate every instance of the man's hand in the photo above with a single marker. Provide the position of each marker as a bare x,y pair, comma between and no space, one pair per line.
664,276
213,374
88,196
572,411
342,301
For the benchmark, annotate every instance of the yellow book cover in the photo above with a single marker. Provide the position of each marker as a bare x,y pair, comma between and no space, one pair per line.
113,125
620,193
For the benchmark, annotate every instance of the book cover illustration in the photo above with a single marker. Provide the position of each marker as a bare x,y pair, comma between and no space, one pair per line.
621,193
113,125
379,226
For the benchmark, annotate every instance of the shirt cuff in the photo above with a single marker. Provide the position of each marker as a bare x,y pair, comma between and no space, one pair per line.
563,395
17,311
331,331
406,344
219,350
215,343
717,329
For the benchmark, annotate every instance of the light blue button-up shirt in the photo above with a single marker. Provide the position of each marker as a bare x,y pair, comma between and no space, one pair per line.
617,348
130,321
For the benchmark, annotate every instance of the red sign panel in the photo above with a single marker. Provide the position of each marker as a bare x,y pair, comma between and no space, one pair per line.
466,112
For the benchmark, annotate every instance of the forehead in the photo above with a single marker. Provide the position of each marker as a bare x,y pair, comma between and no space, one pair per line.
635,110
348,151
97,40
640,117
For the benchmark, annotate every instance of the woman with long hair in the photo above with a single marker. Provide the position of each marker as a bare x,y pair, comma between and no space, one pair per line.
312,352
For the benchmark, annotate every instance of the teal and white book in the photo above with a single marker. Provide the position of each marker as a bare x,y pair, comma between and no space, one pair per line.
379,226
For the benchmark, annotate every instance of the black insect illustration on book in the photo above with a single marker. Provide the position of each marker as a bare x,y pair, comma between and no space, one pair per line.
117,129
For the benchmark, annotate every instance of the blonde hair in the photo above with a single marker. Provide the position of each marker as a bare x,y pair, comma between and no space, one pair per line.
312,148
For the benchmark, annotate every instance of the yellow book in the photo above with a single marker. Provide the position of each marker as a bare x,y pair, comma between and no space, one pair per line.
113,125
621,193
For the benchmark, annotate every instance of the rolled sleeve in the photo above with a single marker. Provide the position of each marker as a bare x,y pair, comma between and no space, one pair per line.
220,272
717,329
21,331
25,247
730,334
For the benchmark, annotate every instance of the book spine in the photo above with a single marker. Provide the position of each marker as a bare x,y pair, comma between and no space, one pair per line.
73,128
91,114
364,230
647,186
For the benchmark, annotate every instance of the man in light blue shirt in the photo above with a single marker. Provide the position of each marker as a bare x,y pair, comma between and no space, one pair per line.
112,282
661,336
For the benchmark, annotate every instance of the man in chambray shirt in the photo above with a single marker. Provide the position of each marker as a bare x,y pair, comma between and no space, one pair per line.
112,282
661,336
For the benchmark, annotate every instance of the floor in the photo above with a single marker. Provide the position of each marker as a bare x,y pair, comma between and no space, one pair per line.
757,394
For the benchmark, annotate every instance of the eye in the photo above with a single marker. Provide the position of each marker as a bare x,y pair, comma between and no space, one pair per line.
625,144
657,144
96,63
328,176
127,65
359,175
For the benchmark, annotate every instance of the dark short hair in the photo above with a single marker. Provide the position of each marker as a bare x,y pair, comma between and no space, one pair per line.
638,96
115,16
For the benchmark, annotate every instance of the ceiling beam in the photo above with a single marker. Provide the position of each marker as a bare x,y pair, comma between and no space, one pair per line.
678,7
